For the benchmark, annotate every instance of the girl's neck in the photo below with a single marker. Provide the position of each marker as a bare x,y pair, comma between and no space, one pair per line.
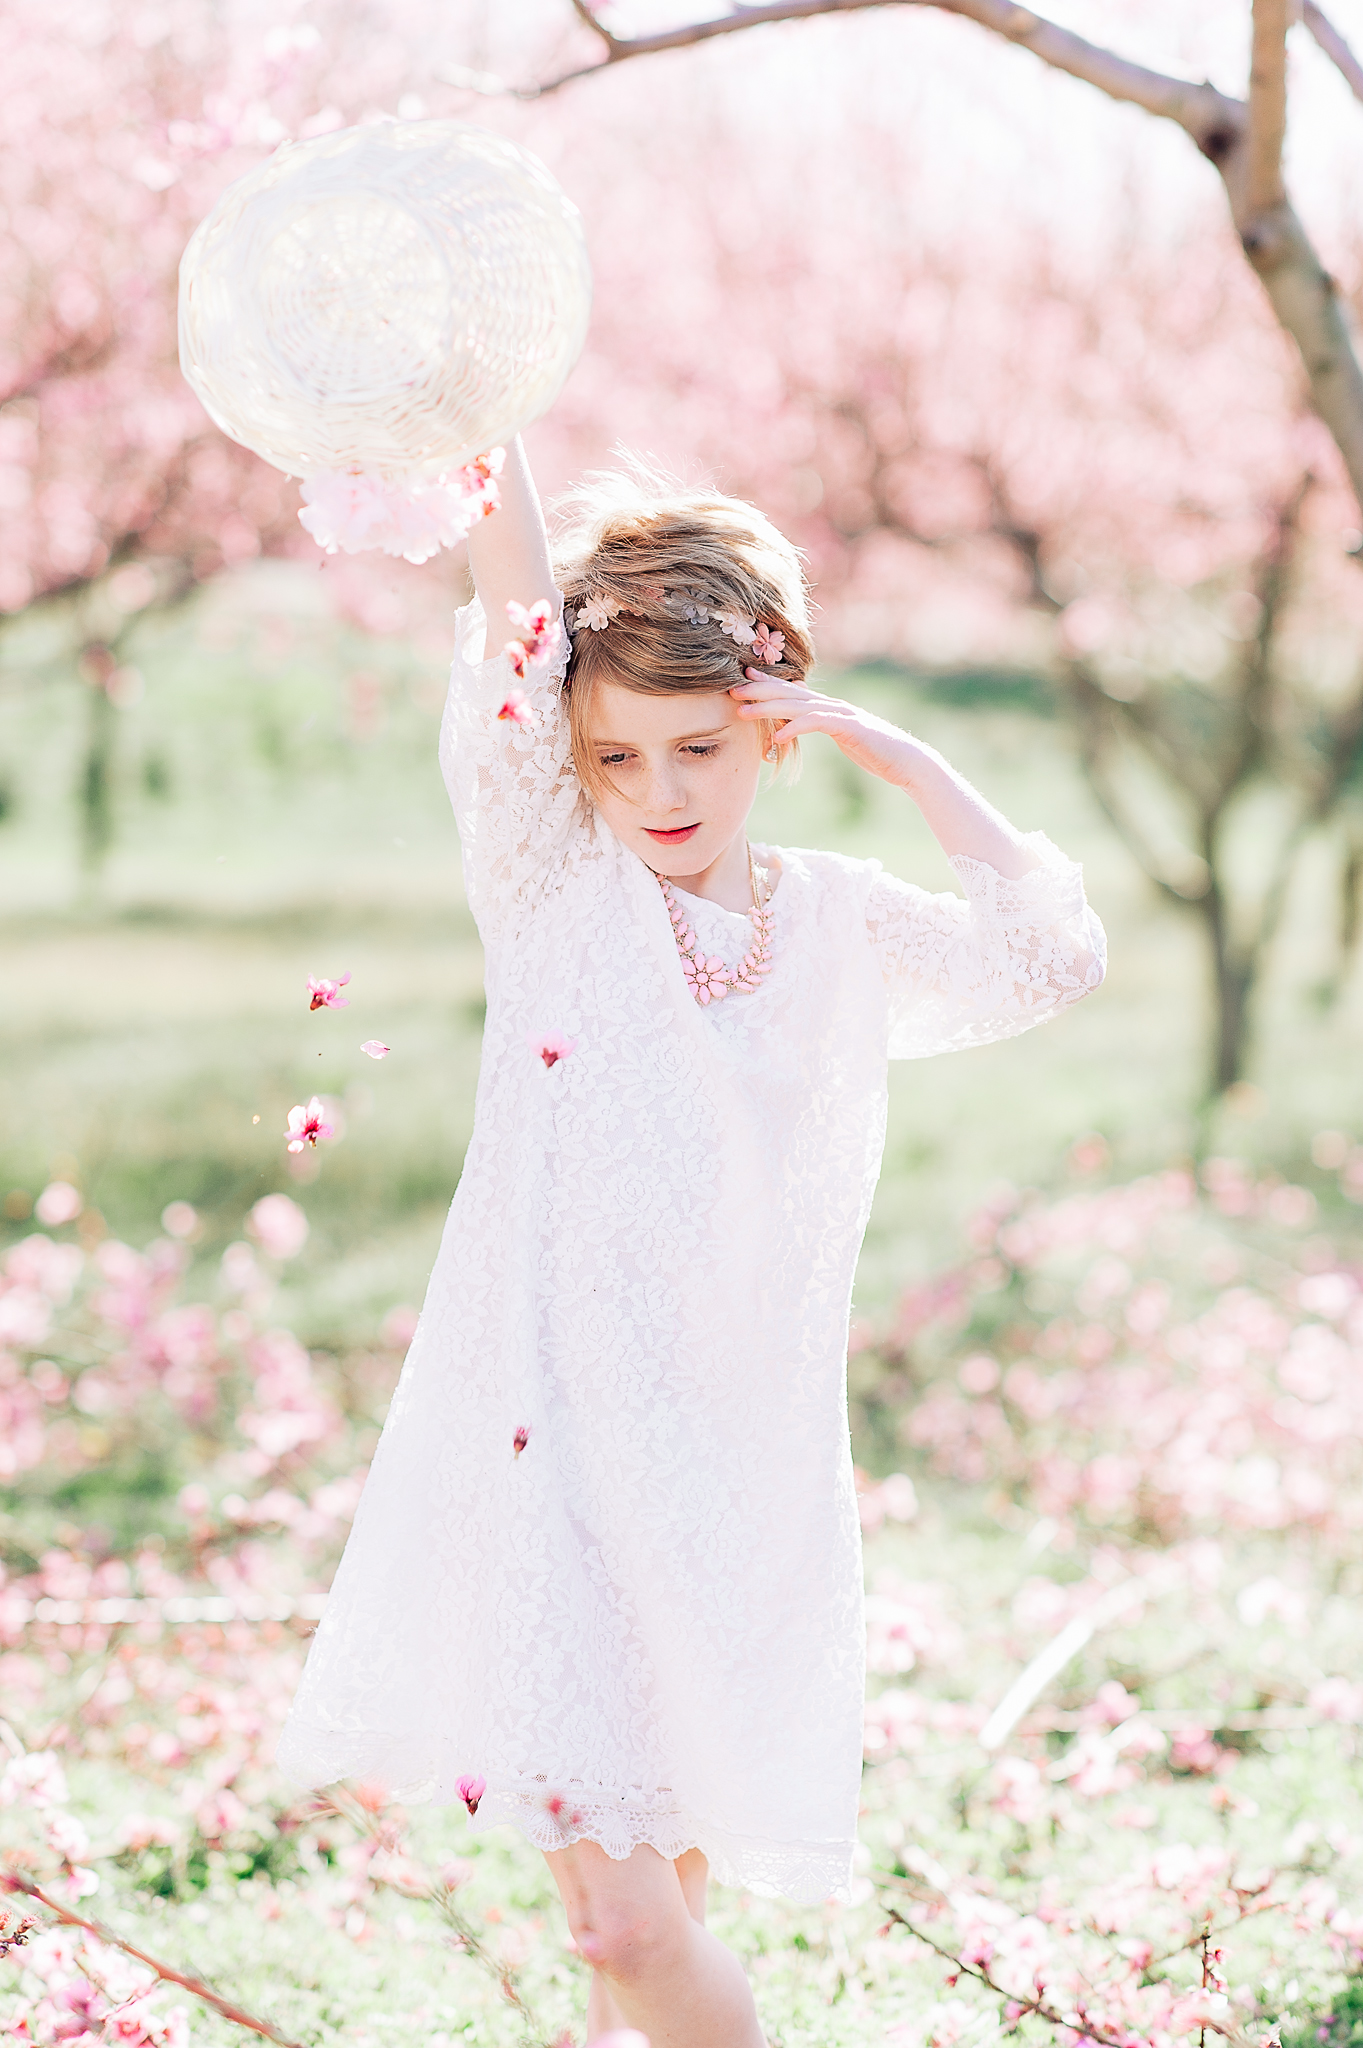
726,881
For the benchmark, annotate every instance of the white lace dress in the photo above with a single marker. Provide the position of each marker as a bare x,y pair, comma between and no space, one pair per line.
647,1627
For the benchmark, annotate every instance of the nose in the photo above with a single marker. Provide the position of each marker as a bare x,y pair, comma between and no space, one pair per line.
665,789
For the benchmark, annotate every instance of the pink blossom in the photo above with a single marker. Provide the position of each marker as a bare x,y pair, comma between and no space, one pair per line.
471,1790
59,1202
550,1046
278,1226
326,995
534,644
596,611
519,1441
376,1048
516,709
1337,1699
306,1126
179,1219
219,1814
34,1779
399,1326
743,632
767,645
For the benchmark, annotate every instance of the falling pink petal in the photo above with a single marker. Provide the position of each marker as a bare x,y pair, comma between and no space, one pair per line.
471,1790
326,995
519,1441
306,1126
516,709
376,1048
535,625
551,1046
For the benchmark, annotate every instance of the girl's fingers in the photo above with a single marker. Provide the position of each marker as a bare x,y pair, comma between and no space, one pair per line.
793,728
773,685
773,705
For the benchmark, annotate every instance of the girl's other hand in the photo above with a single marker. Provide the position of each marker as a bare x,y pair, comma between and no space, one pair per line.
873,743
963,821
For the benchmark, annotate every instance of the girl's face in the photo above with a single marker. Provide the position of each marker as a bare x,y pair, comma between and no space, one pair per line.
684,771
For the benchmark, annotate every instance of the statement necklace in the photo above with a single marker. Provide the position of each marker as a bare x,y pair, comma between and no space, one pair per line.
710,980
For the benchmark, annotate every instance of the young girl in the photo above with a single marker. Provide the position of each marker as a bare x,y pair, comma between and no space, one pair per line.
605,1579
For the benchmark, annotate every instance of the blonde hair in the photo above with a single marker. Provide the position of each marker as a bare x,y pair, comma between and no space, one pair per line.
665,557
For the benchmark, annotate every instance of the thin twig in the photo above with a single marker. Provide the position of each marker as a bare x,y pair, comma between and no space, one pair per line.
1213,119
1334,46
11,1880
1079,2020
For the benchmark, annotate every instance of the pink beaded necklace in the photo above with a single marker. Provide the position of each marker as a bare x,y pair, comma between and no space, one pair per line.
710,980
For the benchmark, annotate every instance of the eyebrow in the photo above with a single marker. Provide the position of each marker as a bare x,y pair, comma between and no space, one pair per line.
712,733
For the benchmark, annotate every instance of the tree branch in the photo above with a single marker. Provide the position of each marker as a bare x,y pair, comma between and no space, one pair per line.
1264,189
1199,108
15,1881
1334,46
1094,712
1303,295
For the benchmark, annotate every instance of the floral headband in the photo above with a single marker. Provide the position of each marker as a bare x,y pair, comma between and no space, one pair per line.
765,643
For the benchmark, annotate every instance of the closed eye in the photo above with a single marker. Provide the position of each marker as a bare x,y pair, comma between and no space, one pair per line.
711,748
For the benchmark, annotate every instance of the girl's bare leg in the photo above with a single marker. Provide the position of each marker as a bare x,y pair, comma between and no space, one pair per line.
693,1873
640,1924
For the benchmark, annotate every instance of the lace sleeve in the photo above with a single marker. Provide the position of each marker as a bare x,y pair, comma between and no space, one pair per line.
517,800
1009,955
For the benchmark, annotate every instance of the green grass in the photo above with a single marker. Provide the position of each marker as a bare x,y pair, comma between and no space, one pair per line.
148,1020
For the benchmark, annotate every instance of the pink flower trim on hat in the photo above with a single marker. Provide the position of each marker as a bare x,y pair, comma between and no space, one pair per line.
353,511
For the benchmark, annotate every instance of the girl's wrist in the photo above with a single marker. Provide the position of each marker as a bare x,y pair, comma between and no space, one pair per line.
917,766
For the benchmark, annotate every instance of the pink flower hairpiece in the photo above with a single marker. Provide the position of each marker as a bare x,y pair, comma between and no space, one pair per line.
596,612
767,644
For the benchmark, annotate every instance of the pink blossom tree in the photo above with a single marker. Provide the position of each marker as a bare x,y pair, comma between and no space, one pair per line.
1243,139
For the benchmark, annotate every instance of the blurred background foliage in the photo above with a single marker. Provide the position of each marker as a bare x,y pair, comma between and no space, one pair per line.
273,809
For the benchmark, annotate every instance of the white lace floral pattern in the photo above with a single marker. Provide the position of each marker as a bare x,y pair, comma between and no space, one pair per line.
648,1626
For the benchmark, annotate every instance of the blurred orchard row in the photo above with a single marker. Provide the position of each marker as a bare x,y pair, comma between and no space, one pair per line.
1064,442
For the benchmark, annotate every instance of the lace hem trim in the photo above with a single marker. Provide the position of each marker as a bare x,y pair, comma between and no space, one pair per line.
805,1872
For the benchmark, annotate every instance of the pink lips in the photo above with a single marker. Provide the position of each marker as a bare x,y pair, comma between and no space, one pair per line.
676,838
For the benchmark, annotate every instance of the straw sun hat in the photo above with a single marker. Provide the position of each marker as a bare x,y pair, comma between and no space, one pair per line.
376,311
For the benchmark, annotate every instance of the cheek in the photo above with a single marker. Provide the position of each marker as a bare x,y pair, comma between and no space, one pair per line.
743,766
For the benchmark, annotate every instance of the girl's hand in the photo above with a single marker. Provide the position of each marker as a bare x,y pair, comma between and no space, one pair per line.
873,743
963,822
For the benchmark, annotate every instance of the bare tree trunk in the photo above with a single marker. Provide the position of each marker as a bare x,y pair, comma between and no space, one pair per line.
1233,975
94,787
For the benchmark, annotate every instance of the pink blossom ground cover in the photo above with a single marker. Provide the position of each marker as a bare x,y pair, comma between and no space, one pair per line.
1115,1694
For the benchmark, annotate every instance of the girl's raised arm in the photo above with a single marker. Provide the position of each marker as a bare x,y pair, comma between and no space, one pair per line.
509,549
1021,947
505,748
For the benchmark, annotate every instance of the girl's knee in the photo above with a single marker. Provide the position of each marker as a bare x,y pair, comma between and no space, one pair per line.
632,1945
629,1920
